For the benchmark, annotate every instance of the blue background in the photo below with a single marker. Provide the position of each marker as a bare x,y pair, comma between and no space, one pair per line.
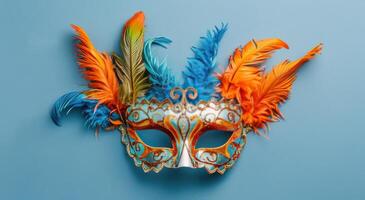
316,153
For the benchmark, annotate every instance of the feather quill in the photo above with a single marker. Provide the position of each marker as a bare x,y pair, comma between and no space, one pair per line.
98,70
200,67
161,78
130,68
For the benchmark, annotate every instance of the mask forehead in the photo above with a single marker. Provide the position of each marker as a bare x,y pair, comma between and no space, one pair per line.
184,123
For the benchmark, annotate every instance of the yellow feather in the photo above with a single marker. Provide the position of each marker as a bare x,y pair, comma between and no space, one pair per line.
130,68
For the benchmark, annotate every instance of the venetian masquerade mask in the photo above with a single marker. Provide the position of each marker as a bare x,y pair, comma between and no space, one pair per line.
132,91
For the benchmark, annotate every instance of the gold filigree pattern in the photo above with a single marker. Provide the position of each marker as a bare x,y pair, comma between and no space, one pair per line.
184,123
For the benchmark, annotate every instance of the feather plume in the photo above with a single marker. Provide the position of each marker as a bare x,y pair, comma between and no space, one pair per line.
98,70
244,69
96,117
200,67
262,104
67,102
130,68
161,78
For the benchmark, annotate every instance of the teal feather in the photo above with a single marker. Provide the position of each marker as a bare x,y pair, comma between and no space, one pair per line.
95,118
161,78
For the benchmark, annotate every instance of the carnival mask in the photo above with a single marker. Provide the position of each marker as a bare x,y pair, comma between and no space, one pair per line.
134,91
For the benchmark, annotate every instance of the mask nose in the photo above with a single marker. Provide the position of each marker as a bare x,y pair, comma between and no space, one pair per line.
185,160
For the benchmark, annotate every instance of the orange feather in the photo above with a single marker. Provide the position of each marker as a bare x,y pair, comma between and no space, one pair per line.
98,70
260,106
244,69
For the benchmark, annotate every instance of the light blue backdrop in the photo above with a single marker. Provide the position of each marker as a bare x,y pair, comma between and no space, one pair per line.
316,153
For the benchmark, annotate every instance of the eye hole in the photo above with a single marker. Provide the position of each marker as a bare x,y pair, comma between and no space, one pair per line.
213,138
155,138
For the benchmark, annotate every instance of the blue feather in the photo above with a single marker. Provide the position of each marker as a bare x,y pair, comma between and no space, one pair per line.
200,67
94,118
66,103
97,118
161,78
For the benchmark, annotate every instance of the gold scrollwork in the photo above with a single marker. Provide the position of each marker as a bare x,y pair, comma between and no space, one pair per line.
188,93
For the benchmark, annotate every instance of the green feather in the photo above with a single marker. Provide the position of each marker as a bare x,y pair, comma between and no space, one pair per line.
130,68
